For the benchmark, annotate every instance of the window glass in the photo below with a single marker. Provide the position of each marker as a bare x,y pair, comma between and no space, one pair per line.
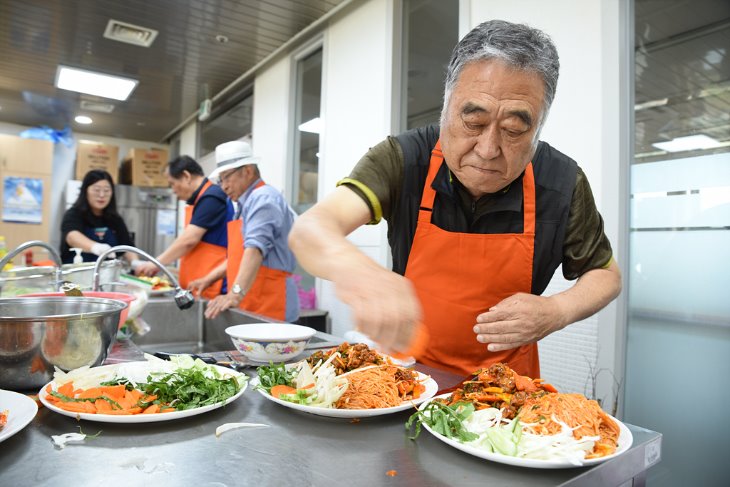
307,128
231,121
679,245
430,31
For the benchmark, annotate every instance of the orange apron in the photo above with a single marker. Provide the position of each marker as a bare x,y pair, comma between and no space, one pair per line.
267,296
458,276
203,258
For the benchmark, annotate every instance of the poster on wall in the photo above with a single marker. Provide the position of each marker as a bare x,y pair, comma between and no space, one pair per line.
22,200
166,222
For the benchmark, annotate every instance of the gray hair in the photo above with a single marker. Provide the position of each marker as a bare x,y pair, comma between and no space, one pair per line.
519,45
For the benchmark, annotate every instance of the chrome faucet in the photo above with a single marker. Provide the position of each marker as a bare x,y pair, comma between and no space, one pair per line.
183,298
53,253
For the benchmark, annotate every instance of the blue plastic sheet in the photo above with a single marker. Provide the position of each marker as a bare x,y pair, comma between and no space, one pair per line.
47,133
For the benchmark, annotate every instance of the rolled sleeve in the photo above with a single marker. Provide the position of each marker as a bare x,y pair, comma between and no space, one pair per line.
262,223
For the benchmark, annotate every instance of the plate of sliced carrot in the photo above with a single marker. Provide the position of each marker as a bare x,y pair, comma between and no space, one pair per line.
142,392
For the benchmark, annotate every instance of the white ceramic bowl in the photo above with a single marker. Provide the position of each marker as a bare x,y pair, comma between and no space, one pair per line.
264,342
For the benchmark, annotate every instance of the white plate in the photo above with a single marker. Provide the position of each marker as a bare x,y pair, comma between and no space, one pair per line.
625,440
21,411
130,368
431,389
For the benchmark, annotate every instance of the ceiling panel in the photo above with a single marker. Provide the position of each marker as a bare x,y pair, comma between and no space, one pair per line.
683,69
184,65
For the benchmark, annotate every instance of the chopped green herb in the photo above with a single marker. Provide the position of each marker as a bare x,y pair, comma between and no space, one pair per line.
446,420
272,375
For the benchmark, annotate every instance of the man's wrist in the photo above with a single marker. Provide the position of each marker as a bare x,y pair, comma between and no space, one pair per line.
238,291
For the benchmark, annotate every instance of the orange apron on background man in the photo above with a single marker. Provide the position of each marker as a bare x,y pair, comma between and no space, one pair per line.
267,296
203,258
458,276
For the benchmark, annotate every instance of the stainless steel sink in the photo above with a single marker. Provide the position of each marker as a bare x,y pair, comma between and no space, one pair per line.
178,331
188,331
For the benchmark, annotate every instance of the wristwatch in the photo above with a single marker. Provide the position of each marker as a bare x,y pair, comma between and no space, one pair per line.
236,289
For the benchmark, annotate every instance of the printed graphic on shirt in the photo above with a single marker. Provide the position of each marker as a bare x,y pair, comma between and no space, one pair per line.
100,232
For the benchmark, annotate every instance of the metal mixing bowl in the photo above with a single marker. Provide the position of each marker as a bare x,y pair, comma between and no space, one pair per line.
37,334
24,280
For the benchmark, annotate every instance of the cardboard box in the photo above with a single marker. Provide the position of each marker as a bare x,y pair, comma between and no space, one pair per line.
144,167
92,155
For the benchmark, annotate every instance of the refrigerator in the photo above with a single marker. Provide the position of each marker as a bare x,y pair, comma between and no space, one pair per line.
150,214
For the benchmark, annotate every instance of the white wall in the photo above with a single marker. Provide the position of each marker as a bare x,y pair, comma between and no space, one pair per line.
357,113
271,122
64,168
584,123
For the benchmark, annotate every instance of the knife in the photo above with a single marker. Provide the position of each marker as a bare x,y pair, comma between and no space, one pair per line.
168,356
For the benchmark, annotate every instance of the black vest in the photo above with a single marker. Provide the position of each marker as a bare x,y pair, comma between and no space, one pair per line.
555,175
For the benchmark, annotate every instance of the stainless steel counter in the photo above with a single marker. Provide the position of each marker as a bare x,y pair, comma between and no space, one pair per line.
297,449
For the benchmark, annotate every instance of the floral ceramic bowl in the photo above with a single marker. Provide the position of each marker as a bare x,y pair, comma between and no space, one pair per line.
264,342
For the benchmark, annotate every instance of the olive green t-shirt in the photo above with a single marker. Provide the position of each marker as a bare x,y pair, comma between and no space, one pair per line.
378,177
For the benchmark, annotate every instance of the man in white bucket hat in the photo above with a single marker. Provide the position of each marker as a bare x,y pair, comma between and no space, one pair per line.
259,265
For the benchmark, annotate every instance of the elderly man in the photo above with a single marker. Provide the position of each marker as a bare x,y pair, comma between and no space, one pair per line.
201,247
480,215
259,263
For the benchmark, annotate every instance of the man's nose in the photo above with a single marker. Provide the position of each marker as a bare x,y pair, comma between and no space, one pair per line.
489,143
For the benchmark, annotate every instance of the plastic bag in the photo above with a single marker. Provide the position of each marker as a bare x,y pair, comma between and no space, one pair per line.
47,133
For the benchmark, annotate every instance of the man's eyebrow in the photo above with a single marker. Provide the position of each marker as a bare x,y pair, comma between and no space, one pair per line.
470,108
522,115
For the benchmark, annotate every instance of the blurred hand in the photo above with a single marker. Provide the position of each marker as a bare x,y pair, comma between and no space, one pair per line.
99,248
197,286
384,305
518,320
144,268
221,303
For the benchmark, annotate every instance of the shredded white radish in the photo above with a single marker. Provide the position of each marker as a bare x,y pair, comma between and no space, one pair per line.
561,446
327,388
61,440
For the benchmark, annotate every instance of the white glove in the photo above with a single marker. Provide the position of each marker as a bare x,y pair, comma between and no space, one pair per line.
100,248
136,263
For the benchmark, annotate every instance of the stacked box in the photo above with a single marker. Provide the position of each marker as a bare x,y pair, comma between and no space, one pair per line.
144,167
92,155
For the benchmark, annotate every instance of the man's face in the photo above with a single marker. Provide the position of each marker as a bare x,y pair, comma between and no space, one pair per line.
489,133
234,182
182,186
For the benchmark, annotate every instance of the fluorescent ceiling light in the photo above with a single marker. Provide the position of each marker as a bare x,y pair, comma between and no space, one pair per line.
313,126
93,83
690,142
83,119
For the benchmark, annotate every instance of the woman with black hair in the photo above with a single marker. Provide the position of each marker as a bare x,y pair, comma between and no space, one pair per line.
92,223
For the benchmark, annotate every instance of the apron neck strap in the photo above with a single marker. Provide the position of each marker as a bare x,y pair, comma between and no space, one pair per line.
425,211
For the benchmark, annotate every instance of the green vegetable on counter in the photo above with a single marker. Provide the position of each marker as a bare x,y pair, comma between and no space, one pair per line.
443,419
272,375
186,387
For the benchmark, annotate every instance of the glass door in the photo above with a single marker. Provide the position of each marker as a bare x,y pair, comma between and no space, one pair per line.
678,349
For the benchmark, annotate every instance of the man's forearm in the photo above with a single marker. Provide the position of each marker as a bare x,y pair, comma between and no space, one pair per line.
322,248
248,269
593,291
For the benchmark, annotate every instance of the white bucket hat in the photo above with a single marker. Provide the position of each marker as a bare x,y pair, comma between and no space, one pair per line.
232,155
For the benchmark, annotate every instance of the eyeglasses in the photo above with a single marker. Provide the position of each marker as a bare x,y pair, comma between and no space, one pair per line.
101,191
222,179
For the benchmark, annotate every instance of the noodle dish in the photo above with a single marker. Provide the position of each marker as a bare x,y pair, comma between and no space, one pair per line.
500,415
347,381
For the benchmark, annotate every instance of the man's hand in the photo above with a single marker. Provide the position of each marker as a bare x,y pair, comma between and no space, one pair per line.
145,269
518,320
197,286
222,303
384,305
